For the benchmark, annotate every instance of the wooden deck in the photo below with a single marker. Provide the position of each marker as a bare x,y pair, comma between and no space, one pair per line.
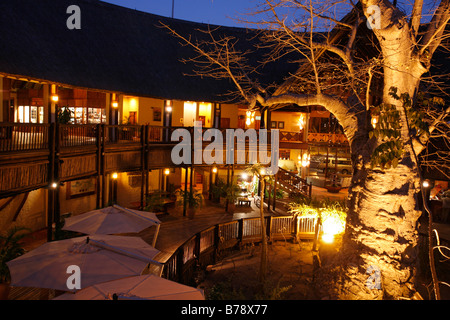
176,229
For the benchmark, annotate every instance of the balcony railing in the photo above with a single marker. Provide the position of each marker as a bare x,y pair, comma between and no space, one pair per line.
204,247
71,135
23,136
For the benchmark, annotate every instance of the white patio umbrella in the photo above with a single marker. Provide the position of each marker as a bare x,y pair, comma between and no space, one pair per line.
113,220
144,287
100,258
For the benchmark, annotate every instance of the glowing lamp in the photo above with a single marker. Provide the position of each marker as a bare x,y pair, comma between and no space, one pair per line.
301,122
244,176
54,97
114,102
214,170
374,121
115,175
328,238
426,183
250,117
54,185
306,160
166,172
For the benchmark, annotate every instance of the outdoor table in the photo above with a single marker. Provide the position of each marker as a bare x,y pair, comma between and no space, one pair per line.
244,201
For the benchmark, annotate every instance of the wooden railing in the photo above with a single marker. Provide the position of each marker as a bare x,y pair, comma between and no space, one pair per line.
288,136
23,136
292,183
204,247
28,136
71,135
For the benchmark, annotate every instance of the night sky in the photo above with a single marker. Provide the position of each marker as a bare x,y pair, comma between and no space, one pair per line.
218,12
224,12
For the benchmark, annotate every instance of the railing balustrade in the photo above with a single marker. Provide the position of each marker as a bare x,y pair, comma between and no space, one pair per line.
71,135
293,183
30,136
23,136
122,134
191,254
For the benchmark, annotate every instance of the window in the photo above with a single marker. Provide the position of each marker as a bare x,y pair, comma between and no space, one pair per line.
82,115
30,114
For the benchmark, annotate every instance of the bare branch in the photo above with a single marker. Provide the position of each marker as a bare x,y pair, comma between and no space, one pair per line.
416,16
435,30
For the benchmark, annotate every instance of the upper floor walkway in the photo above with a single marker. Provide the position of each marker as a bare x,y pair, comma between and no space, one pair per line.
34,156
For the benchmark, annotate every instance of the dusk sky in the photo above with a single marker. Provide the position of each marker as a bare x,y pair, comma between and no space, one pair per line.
219,12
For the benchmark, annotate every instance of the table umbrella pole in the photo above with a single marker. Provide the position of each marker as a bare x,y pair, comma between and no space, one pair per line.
156,235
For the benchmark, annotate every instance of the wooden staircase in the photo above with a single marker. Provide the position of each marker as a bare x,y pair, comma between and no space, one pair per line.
292,184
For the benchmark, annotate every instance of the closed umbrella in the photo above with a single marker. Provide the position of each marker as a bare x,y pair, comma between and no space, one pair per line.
100,258
144,287
112,220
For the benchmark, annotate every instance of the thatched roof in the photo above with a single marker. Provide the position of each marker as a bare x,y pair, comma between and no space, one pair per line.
117,50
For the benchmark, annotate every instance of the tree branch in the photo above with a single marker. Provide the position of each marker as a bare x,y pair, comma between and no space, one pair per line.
420,142
435,30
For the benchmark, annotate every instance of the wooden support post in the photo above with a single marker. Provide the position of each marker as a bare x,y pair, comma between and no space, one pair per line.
143,146
99,165
197,246
51,176
269,227
228,184
57,174
185,190
274,191
103,160
210,183
180,264
216,242
146,170
191,179
315,250
241,230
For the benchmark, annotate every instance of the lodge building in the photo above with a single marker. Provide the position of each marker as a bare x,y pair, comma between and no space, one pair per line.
87,114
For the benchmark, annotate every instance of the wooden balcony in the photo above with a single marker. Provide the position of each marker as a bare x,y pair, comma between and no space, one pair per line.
32,156
292,140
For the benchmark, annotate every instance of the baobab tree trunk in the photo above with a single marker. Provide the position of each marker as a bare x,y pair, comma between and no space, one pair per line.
379,250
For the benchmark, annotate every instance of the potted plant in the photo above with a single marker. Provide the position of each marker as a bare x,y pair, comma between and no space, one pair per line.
334,187
64,115
155,202
194,200
218,190
232,193
10,248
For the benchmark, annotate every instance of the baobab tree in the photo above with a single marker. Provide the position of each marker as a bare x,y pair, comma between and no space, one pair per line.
370,63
